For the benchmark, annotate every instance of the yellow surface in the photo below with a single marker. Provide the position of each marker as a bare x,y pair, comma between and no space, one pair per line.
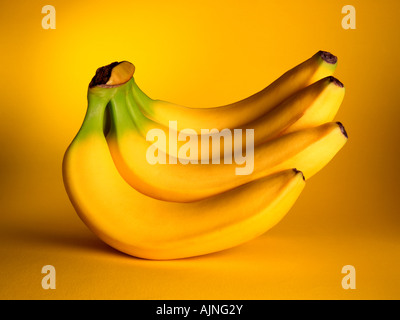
200,53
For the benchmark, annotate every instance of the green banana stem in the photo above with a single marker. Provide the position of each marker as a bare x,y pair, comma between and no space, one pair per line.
125,113
106,82
141,98
126,100
134,109
93,122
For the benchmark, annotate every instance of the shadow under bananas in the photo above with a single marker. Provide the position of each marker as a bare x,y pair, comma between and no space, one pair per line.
68,236
53,236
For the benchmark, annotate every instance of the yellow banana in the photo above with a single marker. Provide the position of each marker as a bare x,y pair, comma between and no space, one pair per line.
308,150
148,228
314,105
234,115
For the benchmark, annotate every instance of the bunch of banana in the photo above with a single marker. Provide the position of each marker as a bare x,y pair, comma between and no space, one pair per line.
198,203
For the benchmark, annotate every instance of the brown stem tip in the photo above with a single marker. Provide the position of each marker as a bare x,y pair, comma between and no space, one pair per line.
102,75
298,171
336,81
342,129
328,57
112,75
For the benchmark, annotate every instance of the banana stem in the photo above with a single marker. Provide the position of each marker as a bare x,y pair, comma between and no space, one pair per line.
98,98
328,57
94,118
134,109
141,98
112,75
121,113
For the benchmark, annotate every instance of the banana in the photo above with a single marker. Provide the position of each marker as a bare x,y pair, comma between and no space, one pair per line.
320,65
307,150
314,105
149,228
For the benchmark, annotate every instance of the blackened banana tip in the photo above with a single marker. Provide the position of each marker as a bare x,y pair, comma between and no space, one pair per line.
298,171
342,129
328,57
336,81
102,75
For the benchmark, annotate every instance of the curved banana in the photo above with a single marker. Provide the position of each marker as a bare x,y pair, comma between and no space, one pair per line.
148,228
141,165
320,65
314,105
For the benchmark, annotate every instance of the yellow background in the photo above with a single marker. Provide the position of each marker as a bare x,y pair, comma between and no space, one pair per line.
200,53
